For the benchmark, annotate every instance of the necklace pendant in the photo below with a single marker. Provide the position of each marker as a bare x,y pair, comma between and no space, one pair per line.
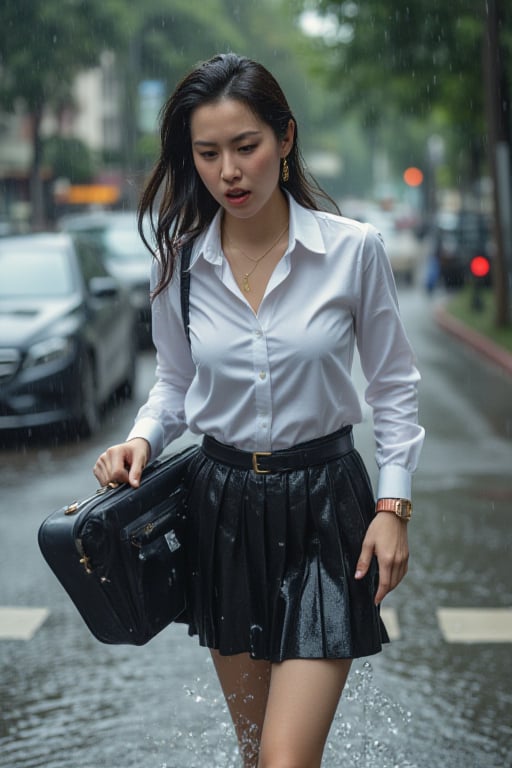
245,284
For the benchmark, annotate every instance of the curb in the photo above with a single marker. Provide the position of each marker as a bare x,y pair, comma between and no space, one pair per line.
477,341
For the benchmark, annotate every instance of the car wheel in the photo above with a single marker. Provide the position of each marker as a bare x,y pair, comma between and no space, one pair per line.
89,419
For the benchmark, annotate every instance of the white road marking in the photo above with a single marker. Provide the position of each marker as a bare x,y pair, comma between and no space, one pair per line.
457,625
21,623
390,619
475,625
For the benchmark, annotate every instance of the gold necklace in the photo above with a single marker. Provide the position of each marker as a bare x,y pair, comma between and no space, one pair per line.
245,278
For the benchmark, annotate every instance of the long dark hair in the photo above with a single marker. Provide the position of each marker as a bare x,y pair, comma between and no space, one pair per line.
185,207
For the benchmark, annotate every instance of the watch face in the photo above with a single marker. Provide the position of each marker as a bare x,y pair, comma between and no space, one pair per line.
404,509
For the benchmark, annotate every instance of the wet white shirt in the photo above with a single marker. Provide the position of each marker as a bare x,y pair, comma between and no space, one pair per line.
270,380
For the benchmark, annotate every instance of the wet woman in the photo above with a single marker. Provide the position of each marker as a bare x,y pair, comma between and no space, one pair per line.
289,552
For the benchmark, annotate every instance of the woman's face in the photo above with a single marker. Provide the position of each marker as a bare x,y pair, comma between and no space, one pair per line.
237,156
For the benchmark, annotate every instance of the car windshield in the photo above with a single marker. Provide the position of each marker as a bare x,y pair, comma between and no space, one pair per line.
125,244
42,273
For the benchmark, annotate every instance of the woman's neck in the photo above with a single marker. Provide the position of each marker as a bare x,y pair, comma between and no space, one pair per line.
258,229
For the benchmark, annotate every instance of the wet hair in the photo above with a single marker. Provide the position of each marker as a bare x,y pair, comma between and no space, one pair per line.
185,206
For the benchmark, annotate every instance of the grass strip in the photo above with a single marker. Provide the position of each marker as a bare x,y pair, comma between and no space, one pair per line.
461,306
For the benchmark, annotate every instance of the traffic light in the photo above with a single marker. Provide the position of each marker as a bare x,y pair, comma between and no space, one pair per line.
413,177
480,267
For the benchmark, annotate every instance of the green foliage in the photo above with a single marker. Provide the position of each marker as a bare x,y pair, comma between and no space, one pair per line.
417,63
45,43
69,159
483,321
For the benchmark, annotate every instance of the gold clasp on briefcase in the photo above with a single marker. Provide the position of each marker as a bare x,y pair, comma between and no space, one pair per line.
85,561
73,508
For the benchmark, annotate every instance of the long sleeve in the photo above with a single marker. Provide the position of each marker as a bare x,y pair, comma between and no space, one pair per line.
162,418
389,366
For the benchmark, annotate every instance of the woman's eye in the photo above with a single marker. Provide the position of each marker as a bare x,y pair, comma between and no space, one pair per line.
247,148
208,155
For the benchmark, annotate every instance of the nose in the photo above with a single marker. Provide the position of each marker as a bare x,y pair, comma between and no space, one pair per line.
229,170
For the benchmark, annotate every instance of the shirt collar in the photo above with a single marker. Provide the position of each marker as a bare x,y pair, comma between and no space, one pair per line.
304,229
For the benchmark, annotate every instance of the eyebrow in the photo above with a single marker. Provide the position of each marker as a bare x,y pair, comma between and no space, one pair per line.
234,140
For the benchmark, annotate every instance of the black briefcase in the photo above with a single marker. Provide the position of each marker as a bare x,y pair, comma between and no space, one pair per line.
119,553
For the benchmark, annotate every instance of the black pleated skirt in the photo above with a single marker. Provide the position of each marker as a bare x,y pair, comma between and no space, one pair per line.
271,561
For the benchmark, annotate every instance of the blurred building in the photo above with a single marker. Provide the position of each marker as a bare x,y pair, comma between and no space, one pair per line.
94,116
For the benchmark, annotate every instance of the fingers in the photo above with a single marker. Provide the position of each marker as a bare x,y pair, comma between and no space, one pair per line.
391,573
386,538
365,558
136,469
393,557
122,463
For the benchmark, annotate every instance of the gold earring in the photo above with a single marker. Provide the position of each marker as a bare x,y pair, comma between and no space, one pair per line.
285,173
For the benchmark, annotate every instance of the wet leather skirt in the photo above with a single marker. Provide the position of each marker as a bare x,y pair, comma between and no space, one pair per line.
271,559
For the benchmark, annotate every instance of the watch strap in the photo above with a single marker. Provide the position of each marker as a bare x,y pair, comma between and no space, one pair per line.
402,508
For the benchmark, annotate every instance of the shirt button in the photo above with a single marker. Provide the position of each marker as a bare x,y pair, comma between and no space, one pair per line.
263,375
258,334
263,425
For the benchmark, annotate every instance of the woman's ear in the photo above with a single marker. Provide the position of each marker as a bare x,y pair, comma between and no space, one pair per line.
288,139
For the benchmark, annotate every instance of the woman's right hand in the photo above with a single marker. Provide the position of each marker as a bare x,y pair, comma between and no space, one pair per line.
123,463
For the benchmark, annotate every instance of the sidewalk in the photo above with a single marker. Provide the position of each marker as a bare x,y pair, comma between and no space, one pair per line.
480,343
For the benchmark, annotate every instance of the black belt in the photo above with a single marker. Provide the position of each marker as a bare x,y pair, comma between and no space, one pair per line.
317,451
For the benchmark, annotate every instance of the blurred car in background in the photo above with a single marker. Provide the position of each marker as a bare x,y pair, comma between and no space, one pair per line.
398,232
401,246
459,237
124,254
67,333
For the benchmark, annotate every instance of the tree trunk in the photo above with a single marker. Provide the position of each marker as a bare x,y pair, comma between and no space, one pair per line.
36,182
498,117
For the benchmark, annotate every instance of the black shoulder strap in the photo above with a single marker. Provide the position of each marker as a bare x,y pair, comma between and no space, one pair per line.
185,285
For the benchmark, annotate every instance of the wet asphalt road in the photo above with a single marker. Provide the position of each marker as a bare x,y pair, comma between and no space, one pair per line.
67,701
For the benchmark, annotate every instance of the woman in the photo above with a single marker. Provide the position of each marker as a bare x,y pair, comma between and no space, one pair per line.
288,557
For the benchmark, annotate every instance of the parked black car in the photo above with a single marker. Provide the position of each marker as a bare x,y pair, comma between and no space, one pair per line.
461,236
124,254
67,333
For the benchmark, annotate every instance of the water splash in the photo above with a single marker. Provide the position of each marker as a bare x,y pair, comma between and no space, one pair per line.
369,728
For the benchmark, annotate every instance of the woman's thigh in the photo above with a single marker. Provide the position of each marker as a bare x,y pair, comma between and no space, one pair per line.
245,684
301,704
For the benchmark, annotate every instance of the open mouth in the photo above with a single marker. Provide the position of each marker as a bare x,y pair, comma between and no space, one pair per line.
237,196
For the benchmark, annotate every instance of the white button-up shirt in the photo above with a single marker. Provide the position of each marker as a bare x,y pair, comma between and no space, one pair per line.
266,381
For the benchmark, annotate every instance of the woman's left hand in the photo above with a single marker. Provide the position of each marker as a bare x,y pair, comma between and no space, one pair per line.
386,538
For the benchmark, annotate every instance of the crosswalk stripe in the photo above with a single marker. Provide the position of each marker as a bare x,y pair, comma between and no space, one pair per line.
21,623
390,618
457,625
475,625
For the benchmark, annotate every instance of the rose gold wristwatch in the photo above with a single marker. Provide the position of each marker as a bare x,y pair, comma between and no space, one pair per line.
402,508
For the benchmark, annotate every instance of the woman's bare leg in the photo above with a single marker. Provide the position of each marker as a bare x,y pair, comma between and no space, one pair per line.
301,704
245,684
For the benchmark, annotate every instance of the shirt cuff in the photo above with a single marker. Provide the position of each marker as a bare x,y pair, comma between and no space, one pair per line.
394,482
151,431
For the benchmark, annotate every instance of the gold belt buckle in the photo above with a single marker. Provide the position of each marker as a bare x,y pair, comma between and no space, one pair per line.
255,459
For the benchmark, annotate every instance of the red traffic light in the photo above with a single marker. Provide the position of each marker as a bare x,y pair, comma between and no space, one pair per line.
479,266
413,177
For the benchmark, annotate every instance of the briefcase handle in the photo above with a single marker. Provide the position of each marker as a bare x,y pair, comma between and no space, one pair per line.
74,507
